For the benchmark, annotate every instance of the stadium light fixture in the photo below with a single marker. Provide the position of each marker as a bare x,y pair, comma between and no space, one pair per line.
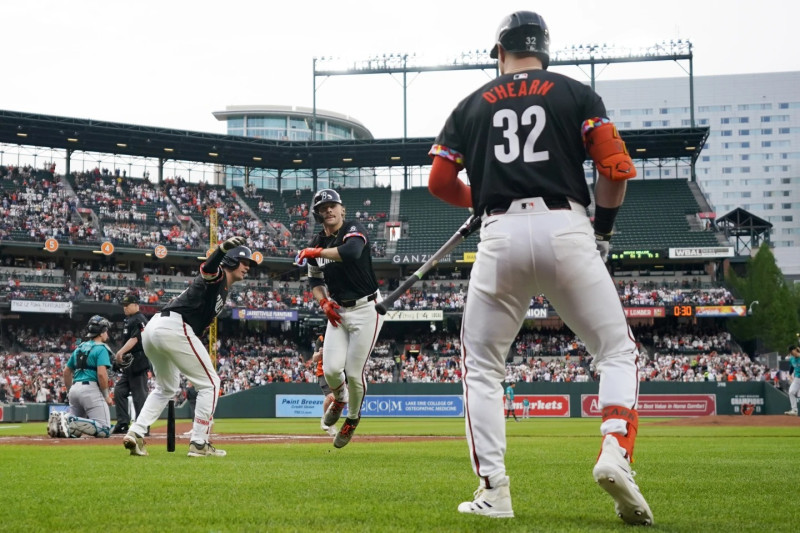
395,158
21,134
347,159
256,158
169,150
298,161
641,149
213,154
72,139
122,145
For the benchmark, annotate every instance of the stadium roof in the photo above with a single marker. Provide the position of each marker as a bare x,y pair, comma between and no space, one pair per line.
89,135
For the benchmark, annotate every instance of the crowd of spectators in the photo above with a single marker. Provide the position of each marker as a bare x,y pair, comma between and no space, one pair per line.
31,363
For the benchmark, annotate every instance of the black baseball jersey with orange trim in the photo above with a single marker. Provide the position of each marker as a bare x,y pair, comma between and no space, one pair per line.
509,136
201,301
347,280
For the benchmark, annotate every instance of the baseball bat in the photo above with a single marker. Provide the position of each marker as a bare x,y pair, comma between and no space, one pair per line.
466,229
171,426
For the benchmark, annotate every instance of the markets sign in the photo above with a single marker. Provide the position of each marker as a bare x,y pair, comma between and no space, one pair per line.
701,253
239,313
31,306
543,404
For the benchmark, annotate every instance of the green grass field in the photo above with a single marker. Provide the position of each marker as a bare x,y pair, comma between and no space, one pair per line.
695,479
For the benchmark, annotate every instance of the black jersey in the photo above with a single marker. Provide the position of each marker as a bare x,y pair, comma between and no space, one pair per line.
201,301
519,136
134,325
349,280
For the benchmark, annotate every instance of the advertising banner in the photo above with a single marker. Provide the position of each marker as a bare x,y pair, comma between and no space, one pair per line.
240,313
31,306
299,405
660,405
644,312
720,310
411,316
543,405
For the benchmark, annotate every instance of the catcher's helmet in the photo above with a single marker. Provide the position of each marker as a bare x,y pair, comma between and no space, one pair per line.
236,256
524,31
97,326
324,196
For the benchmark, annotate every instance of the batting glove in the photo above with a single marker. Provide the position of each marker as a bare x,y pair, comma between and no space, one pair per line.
330,307
308,253
232,243
603,241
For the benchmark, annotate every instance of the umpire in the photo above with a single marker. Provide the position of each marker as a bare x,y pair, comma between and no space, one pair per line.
131,364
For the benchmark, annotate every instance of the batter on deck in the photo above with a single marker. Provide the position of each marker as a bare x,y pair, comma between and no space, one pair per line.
522,139
343,282
171,342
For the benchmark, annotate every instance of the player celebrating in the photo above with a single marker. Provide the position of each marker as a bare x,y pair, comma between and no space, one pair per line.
523,138
343,282
86,377
171,342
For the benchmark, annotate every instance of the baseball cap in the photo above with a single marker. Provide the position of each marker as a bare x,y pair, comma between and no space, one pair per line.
130,299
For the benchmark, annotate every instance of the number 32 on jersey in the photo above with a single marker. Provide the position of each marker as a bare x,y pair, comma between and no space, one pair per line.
510,124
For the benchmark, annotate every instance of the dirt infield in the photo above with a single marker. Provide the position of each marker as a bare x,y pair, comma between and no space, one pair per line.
159,436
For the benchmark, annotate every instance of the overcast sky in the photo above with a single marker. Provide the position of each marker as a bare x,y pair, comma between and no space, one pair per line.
171,63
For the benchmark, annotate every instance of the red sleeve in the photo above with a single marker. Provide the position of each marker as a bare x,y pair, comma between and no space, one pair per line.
443,183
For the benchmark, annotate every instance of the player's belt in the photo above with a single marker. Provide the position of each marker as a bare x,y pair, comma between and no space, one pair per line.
552,203
352,303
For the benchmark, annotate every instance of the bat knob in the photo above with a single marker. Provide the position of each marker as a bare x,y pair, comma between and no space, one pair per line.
380,308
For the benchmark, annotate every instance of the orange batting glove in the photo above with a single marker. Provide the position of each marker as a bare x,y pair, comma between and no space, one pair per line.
330,307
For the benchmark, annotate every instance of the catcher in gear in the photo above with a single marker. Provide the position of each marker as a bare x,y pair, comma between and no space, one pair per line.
523,138
131,363
86,377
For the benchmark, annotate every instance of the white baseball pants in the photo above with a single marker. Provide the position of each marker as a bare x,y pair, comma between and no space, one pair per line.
173,348
527,251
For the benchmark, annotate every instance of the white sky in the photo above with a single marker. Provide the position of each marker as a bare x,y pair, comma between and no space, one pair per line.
170,63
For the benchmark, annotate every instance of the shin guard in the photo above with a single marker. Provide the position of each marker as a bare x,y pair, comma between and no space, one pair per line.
631,417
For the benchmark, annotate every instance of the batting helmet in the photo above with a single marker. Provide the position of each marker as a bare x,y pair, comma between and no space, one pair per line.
524,31
97,326
236,256
324,196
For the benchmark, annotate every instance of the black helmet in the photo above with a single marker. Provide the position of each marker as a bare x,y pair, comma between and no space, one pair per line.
237,255
324,196
524,31
97,326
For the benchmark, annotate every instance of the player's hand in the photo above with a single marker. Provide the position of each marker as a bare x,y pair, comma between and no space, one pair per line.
233,242
603,242
308,253
330,307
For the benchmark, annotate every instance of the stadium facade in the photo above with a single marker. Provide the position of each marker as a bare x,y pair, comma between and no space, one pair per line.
291,123
752,157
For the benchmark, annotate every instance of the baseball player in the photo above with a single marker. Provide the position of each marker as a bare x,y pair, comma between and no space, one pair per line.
522,139
510,409
794,388
86,378
326,389
171,342
343,282
131,363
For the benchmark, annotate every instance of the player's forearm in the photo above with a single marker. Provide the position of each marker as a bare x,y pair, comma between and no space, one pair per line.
443,183
102,380
331,254
609,193
128,346
68,377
